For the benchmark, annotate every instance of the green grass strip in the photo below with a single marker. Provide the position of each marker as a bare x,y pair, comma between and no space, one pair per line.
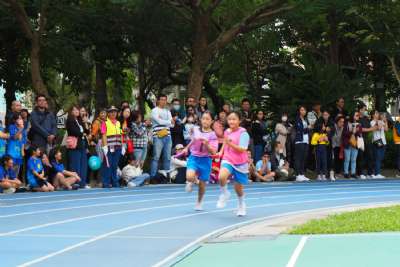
363,221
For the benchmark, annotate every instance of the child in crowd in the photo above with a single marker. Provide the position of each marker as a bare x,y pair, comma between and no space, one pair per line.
264,169
133,174
234,162
17,141
35,172
215,167
189,125
204,143
62,179
3,140
9,182
320,141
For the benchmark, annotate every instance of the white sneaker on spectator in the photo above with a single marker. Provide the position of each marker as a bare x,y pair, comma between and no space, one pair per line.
87,186
9,190
302,178
379,176
241,210
323,178
198,207
223,198
131,184
319,178
189,187
332,176
363,177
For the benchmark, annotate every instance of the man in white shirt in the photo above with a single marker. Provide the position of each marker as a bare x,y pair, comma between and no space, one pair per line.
161,119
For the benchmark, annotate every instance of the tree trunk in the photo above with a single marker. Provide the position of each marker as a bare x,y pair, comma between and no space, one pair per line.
395,70
10,78
212,92
142,83
200,55
101,87
333,38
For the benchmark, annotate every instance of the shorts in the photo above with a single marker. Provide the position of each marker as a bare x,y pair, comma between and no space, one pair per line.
39,183
200,165
239,177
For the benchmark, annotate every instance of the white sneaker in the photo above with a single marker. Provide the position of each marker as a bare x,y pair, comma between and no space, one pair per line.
332,176
306,178
319,178
241,210
379,176
363,177
189,187
302,178
198,207
87,186
10,190
131,184
223,198
323,178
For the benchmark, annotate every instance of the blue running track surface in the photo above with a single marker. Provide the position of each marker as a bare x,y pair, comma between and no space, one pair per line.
152,226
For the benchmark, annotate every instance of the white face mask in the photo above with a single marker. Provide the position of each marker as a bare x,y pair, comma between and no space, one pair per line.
284,119
177,107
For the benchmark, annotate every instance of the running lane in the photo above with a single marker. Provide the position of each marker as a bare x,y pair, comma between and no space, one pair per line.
147,226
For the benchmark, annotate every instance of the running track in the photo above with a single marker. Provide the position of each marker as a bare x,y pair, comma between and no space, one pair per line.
152,226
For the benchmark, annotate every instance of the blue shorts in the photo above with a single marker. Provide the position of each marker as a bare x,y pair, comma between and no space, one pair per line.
240,177
200,165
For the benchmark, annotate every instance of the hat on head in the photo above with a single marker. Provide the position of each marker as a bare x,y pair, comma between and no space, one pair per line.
112,108
179,146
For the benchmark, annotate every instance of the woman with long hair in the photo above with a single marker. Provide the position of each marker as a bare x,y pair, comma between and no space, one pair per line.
77,144
301,141
258,130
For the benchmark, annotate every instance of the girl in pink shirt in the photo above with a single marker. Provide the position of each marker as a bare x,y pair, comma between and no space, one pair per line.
203,144
234,162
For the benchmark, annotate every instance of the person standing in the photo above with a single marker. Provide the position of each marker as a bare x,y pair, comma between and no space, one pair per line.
139,135
258,131
352,130
396,140
314,114
77,145
379,121
337,145
301,144
16,108
365,157
282,130
43,125
112,148
162,143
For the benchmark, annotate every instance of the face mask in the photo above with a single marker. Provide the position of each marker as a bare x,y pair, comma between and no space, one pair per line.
280,151
284,119
177,107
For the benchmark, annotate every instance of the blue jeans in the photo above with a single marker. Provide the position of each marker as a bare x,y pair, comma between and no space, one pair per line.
109,173
78,162
258,152
322,159
141,179
140,154
379,153
161,146
350,157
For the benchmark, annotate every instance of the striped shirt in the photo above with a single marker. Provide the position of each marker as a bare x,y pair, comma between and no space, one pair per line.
160,119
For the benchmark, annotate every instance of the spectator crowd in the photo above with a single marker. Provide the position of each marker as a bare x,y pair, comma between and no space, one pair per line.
133,151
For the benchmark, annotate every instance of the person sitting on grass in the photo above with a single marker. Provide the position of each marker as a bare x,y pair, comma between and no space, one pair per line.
35,172
9,182
133,174
264,169
62,179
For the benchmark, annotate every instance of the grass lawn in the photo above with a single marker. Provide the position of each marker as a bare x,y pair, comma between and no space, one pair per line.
363,221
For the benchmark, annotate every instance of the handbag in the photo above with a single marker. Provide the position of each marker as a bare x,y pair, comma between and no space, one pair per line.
360,143
162,133
130,147
379,143
71,142
353,141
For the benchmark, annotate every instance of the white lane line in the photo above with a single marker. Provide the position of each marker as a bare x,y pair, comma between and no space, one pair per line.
110,237
297,252
35,227
189,197
177,192
170,189
103,236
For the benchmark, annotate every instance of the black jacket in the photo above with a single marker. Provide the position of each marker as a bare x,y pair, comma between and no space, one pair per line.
73,130
43,124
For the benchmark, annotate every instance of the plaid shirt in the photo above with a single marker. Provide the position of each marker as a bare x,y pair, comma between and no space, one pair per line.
139,135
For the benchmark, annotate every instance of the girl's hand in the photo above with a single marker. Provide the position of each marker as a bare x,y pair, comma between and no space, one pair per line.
204,141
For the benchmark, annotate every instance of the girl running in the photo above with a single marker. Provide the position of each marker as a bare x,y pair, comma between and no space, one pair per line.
234,162
204,142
